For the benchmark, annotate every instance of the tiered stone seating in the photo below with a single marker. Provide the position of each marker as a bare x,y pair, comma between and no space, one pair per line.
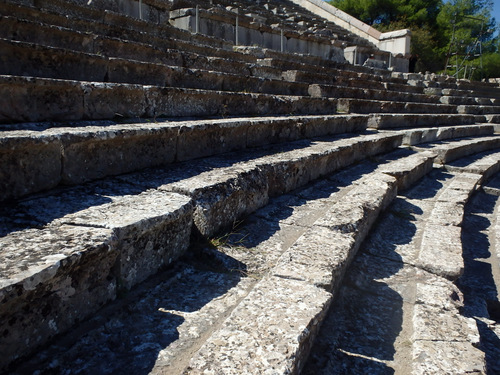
125,142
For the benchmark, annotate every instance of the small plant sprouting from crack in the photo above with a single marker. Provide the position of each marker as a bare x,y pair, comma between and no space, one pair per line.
223,240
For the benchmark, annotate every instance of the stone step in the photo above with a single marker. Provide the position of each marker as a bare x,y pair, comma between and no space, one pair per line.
440,249
140,239
479,109
89,151
343,224
459,100
493,119
278,320
369,93
91,248
476,89
344,215
64,100
164,51
152,49
298,60
297,71
455,149
168,51
353,105
108,21
485,164
304,162
400,121
22,58
103,35
343,77
425,135
429,331
27,59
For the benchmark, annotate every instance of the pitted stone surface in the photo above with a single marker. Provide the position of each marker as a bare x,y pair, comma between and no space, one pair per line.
319,257
445,357
218,195
66,269
434,322
452,150
392,316
265,341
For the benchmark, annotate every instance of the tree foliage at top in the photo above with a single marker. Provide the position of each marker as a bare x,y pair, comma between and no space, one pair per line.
436,25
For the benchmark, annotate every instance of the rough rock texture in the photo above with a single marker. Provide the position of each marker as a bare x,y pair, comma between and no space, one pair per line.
266,341
37,156
90,248
392,316
70,279
441,251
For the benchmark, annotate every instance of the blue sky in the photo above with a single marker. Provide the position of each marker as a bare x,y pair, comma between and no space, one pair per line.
496,10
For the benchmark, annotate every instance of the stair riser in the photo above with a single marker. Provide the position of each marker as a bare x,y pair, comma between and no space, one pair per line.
31,100
447,155
422,120
66,156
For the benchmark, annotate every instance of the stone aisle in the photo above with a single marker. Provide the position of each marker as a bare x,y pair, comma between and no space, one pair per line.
393,317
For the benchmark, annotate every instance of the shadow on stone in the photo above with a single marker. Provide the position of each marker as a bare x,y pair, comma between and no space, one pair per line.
150,326
359,334
477,283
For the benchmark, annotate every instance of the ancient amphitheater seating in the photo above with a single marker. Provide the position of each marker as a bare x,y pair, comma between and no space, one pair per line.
126,145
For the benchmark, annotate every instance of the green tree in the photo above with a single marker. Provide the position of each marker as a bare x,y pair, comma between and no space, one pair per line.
433,24
467,29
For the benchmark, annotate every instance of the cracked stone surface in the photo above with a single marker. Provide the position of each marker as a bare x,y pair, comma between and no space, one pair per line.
394,317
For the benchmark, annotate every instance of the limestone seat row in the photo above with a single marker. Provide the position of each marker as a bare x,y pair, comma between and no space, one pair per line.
21,58
316,269
72,155
54,154
106,237
210,193
109,220
134,72
121,140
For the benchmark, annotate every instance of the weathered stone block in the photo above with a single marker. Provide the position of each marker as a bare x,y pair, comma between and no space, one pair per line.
447,357
322,254
436,315
135,72
455,150
151,230
92,152
410,169
199,139
387,121
25,99
441,251
223,196
28,163
108,100
172,102
275,130
51,279
271,331
21,58
319,257
334,124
